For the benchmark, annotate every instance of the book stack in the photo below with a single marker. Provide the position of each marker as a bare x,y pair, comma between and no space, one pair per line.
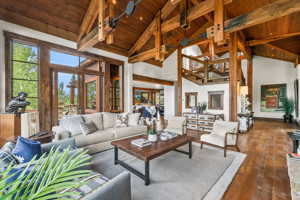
141,142
169,135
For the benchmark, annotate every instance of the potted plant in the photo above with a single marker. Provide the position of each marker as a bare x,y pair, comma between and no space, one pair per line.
288,107
201,107
46,177
152,135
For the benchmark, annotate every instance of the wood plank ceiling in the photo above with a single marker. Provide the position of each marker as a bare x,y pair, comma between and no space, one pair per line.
63,18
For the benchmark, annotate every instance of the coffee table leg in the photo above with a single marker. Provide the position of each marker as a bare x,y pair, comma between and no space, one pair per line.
190,150
147,173
116,155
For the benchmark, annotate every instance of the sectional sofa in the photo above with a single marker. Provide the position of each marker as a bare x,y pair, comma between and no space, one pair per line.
107,131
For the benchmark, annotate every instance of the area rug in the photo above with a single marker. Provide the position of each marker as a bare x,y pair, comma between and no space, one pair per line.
176,177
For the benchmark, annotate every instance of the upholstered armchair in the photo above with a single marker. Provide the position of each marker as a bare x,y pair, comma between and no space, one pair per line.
176,125
223,135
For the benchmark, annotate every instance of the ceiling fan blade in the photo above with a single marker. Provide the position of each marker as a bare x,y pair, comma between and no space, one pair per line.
130,8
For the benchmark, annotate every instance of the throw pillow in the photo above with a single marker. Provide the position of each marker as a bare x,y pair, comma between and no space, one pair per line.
26,149
133,119
122,120
72,124
6,159
109,120
96,118
88,127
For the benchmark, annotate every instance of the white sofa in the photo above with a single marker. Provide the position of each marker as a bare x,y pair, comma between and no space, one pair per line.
101,139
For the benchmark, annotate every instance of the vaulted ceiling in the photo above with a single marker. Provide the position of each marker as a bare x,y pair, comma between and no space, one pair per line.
64,17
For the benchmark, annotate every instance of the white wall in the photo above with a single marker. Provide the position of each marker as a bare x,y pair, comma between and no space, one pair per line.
188,86
271,71
6,26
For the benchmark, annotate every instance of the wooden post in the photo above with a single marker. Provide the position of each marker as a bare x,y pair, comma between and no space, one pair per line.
179,81
205,72
107,86
101,16
45,110
219,21
250,79
111,13
158,38
233,76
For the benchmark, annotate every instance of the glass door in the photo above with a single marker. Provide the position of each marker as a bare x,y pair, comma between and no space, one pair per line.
65,94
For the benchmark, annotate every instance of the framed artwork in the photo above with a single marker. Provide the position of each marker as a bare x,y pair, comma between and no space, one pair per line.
272,97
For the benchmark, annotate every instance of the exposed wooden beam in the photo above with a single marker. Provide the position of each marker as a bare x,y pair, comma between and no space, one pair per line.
146,55
101,16
224,60
233,76
200,10
88,19
243,46
90,40
219,21
193,58
206,72
158,38
271,38
282,50
261,15
168,8
147,79
111,13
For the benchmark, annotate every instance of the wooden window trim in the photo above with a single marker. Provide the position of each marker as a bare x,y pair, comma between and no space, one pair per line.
210,94
187,98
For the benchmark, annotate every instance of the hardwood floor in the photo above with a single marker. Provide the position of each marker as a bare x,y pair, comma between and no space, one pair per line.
263,175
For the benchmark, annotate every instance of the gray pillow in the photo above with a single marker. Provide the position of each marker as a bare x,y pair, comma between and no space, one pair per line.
88,127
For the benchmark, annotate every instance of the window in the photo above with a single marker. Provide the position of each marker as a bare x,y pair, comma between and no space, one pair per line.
215,100
190,99
25,72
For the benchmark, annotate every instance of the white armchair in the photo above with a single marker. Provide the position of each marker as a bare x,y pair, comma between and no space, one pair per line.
223,135
176,125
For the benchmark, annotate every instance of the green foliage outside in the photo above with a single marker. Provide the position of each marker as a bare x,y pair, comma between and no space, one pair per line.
47,177
91,95
25,67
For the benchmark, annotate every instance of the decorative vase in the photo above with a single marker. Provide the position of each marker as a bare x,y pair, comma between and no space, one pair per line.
152,137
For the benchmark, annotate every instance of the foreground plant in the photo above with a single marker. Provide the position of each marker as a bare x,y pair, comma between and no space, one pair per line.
46,177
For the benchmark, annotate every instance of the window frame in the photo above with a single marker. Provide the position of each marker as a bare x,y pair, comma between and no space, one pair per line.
9,68
210,96
187,99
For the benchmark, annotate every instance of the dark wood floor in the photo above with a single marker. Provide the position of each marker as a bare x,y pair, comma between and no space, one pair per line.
263,175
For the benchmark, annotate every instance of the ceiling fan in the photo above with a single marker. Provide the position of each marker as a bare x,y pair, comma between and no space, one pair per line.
129,10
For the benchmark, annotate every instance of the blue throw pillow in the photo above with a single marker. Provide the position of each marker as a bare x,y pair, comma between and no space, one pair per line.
26,149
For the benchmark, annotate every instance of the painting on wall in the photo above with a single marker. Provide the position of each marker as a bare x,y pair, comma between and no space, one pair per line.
272,97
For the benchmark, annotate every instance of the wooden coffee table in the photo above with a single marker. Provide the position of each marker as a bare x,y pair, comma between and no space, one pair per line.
150,152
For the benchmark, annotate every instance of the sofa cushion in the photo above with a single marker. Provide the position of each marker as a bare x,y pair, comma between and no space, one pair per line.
94,138
90,185
109,120
133,119
72,124
96,118
88,127
130,131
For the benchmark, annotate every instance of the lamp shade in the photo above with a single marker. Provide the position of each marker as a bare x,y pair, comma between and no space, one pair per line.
244,90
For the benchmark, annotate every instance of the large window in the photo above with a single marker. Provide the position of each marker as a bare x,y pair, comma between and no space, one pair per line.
215,100
25,72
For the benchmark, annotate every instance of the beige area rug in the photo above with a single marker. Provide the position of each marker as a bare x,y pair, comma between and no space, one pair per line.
176,177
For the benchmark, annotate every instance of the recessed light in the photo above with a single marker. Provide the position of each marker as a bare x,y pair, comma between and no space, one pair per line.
141,18
114,2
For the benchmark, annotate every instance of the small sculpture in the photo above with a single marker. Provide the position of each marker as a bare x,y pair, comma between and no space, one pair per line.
18,104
